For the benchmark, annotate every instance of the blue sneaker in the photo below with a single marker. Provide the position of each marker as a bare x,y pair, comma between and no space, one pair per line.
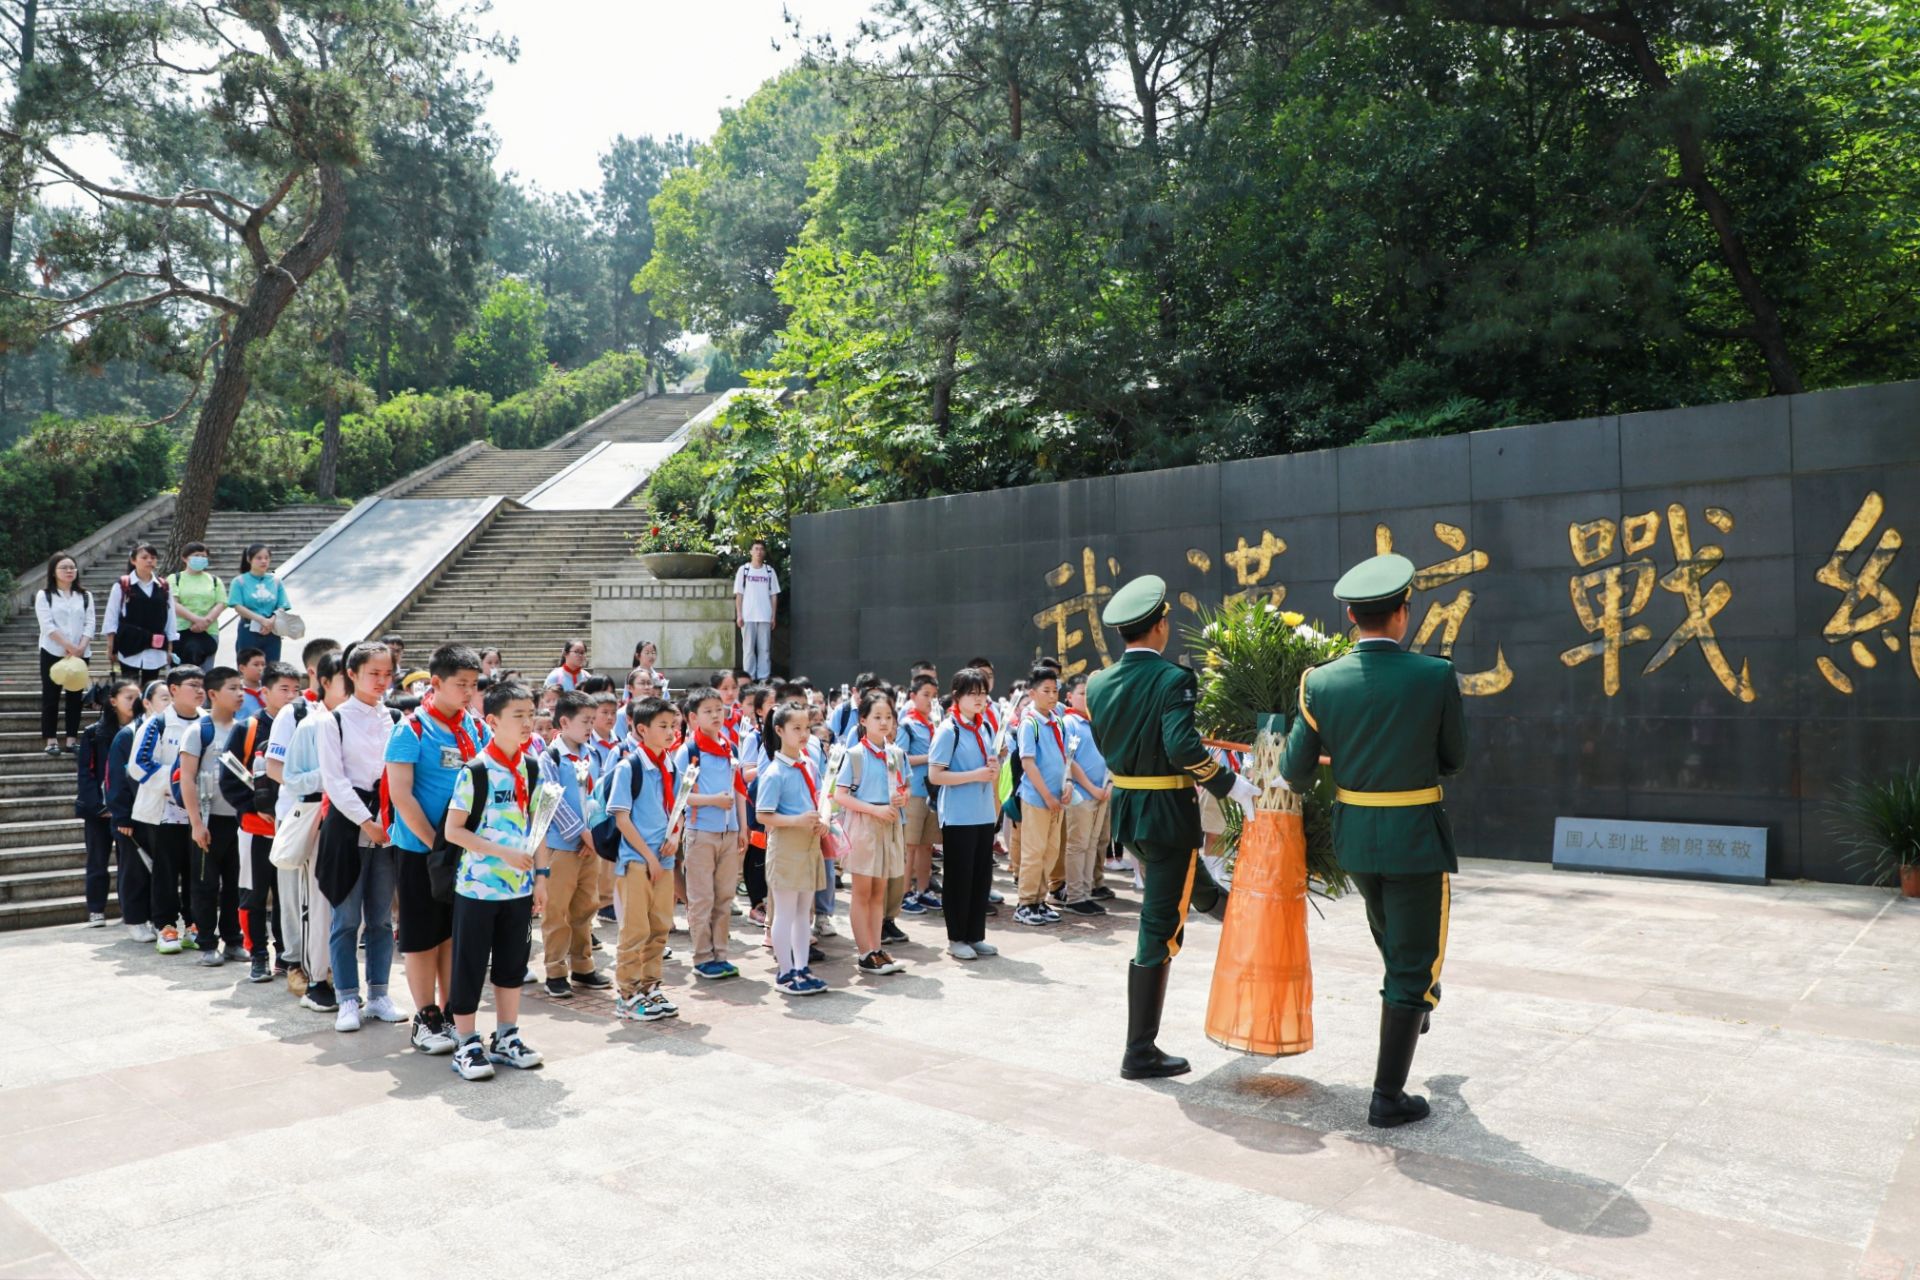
727,970
785,982
910,906
930,901
806,984
712,969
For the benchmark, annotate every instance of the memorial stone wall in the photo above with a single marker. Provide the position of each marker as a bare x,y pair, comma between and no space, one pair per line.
1695,615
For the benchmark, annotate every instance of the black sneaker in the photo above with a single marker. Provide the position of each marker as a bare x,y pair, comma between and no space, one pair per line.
597,944
1058,897
1101,893
319,998
891,932
1032,914
260,972
280,967
815,955
559,988
870,963
1087,908
595,981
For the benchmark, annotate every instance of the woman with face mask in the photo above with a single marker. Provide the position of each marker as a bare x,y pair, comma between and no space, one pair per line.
198,600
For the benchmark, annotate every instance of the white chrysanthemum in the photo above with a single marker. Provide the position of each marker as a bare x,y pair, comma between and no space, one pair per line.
1306,632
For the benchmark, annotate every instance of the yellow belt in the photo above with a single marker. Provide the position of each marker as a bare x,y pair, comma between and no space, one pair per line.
1388,799
1158,782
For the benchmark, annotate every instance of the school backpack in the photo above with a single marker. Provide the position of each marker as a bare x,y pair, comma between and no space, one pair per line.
173,778
443,860
605,825
239,792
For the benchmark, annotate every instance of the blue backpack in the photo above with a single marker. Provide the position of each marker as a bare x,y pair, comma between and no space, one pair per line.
605,826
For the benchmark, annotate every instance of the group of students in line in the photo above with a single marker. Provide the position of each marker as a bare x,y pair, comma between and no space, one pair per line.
308,822
151,621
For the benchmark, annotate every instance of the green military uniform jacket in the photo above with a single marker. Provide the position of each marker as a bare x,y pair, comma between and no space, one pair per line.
1141,710
1392,721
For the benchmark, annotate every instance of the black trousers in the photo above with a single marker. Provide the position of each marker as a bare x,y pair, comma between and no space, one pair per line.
136,873
216,883
99,833
262,921
753,869
172,851
196,648
488,934
968,877
50,696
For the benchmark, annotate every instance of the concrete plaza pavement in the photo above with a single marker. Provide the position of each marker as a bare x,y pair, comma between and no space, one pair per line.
1630,1078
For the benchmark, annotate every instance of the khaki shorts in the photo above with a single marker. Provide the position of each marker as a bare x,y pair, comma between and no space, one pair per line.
923,824
874,847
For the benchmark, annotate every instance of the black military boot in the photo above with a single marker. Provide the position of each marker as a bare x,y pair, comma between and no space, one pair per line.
1399,1037
1146,993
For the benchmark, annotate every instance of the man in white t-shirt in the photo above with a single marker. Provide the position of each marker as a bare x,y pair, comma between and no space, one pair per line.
756,590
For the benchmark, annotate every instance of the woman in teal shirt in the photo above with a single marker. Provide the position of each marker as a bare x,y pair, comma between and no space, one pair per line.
256,595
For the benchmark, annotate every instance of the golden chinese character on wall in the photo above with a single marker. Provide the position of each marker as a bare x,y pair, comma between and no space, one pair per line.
1608,598
1075,621
1445,620
1868,618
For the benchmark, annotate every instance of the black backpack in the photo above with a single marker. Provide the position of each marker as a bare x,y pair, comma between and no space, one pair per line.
443,862
236,792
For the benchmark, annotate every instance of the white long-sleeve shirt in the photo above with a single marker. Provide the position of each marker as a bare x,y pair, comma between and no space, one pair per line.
353,755
68,614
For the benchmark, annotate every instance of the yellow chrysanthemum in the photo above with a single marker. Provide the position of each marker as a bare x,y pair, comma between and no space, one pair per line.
1292,619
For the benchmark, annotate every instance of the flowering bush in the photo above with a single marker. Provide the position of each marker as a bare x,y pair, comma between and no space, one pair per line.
674,533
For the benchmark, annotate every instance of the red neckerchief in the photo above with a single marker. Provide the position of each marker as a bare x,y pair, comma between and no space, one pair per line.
513,766
986,757
1083,715
1059,739
457,726
310,695
991,718
913,713
708,747
806,776
666,777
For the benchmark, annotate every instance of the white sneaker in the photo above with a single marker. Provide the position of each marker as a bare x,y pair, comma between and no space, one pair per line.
509,1048
381,1009
141,932
95,920
470,1060
348,1019
961,951
985,949
823,927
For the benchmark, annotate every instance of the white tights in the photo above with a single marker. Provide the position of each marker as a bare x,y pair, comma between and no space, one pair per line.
792,928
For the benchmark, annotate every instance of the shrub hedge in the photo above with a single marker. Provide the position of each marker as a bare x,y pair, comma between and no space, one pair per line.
66,478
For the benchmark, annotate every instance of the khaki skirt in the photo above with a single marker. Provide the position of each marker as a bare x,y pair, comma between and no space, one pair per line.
874,847
794,861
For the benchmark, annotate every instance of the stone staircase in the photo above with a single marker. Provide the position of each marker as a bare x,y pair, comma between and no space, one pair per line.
525,586
42,851
509,472
649,421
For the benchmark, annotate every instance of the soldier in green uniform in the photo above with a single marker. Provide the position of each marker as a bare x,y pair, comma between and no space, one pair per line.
1392,723
1141,710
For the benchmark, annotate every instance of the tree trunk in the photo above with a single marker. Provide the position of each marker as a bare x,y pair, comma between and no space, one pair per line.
13,166
272,290
326,472
1766,331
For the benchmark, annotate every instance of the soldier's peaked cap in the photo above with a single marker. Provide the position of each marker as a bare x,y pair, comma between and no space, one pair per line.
1379,580
1141,600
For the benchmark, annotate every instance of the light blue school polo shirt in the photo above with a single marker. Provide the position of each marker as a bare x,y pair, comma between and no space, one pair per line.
1039,744
436,758
647,810
707,774
955,748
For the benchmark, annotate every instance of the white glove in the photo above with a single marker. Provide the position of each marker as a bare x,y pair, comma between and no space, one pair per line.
1244,793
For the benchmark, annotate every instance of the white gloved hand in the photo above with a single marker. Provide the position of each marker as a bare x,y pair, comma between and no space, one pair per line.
1244,793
